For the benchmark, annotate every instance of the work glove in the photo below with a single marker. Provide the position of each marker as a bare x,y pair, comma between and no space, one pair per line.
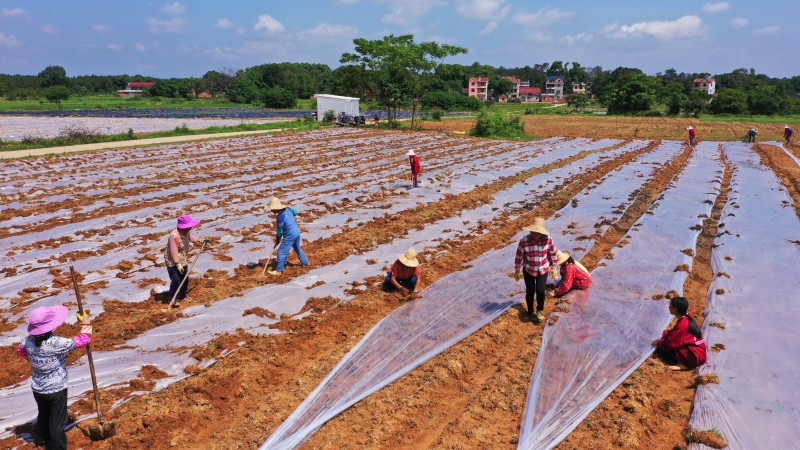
295,211
553,273
86,329
517,275
180,267
206,241
83,318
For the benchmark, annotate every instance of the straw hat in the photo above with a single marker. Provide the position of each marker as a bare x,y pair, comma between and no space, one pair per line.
186,221
786,126
275,204
45,319
410,153
409,258
689,127
538,226
562,256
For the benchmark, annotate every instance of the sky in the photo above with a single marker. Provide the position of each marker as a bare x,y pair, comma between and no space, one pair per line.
190,37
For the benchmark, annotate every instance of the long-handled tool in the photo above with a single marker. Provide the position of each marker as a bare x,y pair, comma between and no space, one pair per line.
186,275
270,257
104,429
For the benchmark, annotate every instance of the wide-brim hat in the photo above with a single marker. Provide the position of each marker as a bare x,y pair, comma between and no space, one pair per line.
274,204
46,318
537,227
786,126
186,221
689,128
562,256
410,152
409,258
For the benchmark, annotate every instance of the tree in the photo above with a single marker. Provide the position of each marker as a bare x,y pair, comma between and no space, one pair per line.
500,86
631,93
697,103
729,101
56,94
558,69
351,81
402,70
672,96
765,100
278,97
53,76
578,101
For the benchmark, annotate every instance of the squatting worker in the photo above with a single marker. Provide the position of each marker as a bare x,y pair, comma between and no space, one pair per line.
47,354
405,274
536,255
176,255
751,134
684,342
413,159
787,134
692,134
573,274
287,230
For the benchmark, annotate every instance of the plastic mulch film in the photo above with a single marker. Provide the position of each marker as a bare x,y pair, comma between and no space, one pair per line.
754,297
449,310
609,330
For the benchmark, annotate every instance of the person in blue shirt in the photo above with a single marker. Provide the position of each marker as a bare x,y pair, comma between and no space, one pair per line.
289,232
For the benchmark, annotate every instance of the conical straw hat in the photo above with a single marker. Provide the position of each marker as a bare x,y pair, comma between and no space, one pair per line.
409,258
562,256
275,204
538,226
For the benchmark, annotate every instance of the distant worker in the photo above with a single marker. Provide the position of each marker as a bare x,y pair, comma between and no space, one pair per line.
413,159
377,119
536,256
287,230
176,255
684,342
573,274
47,354
692,134
787,134
405,274
751,135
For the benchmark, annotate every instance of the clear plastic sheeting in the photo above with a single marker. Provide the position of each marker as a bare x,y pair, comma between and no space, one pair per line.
609,330
449,310
757,402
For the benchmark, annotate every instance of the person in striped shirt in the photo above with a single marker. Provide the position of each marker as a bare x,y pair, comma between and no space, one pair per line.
536,256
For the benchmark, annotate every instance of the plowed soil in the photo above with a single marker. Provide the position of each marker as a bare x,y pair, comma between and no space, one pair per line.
470,396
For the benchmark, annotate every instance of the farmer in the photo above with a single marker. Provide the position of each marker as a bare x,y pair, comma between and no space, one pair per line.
405,274
536,254
176,255
692,134
751,135
47,354
787,134
684,340
377,119
413,159
573,275
289,232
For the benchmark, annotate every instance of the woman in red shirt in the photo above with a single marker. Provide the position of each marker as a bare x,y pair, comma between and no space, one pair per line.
684,340
573,274
416,168
405,274
536,256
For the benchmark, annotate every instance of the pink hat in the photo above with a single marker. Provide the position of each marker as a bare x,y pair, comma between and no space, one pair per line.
411,152
786,126
186,221
46,318
689,127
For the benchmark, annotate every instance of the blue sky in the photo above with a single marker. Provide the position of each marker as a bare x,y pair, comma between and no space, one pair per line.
189,37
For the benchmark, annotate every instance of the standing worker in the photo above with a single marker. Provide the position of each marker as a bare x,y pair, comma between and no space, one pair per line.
536,255
405,274
415,167
176,255
692,134
751,135
47,354
573,274
684,340
787,134
287,230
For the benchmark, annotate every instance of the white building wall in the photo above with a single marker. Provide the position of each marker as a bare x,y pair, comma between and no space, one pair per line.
336,103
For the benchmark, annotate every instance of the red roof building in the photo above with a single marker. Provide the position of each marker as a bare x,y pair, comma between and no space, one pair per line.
707,84
479,87
530,94
135,88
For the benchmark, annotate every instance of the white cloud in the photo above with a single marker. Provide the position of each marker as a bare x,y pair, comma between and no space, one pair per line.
241,31
739,22
408,13
223,53
768,30
663,30
140,47
17,13
174,25
582,37
224,23
8,40
102,28
487,30
544,16
115,47
325,30
266,22
716,7
540,37
483,9
264,48
173,8
49,29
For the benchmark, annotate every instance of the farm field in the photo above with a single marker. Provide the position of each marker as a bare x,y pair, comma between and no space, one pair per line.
241,360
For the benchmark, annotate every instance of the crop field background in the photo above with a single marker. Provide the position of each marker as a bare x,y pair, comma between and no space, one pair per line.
240,361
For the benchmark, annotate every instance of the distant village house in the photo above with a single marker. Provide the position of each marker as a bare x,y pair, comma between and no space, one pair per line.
705,84
554,89
478,87
135,88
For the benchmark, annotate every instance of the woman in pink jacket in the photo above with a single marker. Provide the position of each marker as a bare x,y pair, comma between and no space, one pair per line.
573,275
685,340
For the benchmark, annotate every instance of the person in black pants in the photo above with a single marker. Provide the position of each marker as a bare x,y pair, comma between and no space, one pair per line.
536,256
